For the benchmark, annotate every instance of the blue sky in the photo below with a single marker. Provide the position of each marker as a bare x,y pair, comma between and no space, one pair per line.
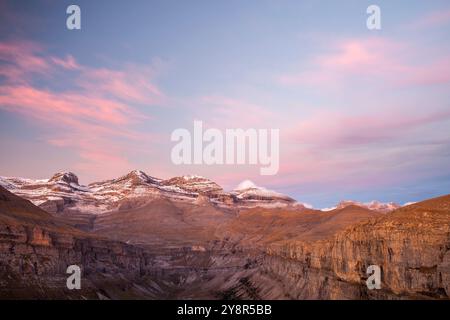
363,114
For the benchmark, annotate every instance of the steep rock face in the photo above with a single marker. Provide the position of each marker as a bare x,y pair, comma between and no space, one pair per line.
35,269
411,246
67,177
36,249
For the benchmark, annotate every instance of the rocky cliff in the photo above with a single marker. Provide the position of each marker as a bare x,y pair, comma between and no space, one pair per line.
36,249
411,246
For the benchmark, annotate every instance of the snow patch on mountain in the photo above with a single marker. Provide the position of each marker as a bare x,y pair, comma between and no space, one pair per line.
6,184
246,184
252,195
248,188
328,209
409,203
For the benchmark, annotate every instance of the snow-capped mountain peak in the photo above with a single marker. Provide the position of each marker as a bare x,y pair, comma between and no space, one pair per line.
67,177
137,176
247,190
246,184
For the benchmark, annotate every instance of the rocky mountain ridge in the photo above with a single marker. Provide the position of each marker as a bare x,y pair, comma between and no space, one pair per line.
63,193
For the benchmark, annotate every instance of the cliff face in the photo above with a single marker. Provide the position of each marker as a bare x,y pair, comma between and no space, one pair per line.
34,260
411,246
36,249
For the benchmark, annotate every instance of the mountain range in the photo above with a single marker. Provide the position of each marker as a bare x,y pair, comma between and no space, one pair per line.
138,236
63,193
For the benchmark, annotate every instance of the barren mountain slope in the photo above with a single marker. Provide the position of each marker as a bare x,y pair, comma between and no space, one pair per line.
164,223
263,226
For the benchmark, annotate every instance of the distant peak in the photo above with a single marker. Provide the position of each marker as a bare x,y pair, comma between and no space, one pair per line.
138,173
249,190
67,177
138,176
372,205
246,184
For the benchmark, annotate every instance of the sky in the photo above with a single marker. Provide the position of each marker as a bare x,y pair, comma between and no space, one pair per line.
363,114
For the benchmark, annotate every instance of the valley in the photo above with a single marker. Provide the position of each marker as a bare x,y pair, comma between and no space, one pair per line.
140,237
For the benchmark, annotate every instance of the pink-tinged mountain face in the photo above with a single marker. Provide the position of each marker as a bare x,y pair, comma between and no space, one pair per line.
193,183
249,193
62,193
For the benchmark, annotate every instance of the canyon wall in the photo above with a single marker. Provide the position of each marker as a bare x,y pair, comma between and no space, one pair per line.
411,246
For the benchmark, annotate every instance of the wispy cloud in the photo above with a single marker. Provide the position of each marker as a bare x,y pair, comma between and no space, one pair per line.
374,60
432,20
96,112
337,130
224,112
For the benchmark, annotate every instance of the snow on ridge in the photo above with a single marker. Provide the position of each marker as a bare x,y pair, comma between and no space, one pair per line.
328,209
22,180
6,184
246,184
80,187
102,196
248,189
371,205
193,177
306,205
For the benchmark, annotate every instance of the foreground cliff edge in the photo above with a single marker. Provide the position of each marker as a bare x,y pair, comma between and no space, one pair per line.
218,246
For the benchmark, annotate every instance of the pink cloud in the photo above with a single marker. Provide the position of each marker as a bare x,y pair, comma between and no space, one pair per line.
359,150
21,60
67,63
373,59
335,130
132,84
225,112
94,116
46,105
358,145
437,72
432,19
